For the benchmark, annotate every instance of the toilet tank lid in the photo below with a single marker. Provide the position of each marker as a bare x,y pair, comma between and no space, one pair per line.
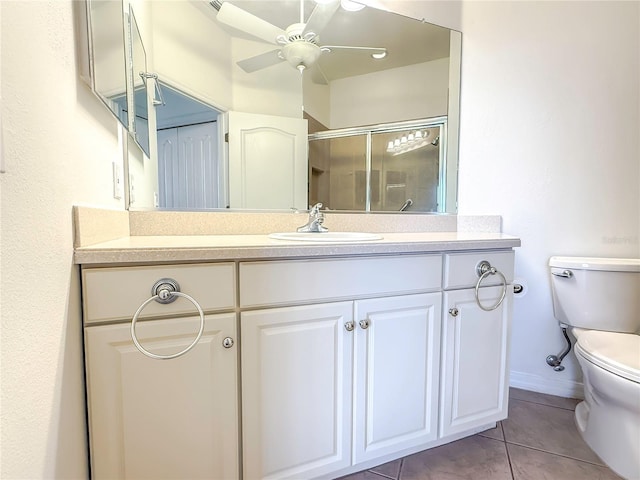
618,353
596,263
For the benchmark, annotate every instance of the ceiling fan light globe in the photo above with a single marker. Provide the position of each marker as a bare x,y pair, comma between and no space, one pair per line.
351,6
301,53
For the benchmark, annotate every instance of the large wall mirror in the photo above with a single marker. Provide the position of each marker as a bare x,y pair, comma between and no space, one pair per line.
281,104
104,69
113,62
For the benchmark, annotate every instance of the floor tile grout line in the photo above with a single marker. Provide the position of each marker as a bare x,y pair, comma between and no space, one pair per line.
543,404
506,448
547,405
382,475
556,454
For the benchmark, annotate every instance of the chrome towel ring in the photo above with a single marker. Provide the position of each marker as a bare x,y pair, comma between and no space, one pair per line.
165,291
484,269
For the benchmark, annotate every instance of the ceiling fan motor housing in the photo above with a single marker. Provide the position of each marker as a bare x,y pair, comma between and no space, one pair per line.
298,51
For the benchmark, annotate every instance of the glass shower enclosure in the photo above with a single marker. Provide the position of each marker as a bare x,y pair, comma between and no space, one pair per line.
391,167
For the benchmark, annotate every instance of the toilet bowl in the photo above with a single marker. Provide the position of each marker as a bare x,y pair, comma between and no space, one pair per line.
609,417
598,299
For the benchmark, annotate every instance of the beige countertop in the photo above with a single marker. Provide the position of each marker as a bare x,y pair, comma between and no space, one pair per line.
202,248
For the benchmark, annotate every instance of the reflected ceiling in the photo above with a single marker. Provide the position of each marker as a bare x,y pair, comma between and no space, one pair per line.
369,27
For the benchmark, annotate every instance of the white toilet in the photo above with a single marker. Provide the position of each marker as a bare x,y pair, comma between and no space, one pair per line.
599,300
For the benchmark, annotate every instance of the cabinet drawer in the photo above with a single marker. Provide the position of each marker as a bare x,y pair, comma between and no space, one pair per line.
460,268
116,293
284,282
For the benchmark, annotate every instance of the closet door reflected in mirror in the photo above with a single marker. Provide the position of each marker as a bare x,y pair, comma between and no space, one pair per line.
191,174
188,169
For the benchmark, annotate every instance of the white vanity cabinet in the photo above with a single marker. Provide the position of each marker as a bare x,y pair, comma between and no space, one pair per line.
475,353
329,385
161,419
308,368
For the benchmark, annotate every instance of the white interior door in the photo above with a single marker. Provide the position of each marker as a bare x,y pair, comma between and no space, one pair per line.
267,161
188,167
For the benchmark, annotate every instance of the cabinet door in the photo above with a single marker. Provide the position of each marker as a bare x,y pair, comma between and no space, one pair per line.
296,391
397,356
474,360
161,419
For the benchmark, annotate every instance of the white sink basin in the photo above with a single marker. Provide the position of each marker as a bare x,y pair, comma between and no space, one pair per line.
324,237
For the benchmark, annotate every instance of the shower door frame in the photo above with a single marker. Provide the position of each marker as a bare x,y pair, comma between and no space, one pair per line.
368,131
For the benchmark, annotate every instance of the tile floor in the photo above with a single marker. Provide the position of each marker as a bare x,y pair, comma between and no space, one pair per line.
538,441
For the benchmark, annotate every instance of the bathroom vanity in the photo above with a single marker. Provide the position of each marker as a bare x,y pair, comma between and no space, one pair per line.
315,360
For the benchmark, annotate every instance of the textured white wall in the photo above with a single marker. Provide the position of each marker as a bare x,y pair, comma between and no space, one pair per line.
549,140
191,52
276,90
550,108
374,97
58,143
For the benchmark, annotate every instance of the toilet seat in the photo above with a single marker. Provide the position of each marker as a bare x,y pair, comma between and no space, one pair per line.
618,353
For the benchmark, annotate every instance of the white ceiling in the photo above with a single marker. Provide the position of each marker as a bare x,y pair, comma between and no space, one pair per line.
408,41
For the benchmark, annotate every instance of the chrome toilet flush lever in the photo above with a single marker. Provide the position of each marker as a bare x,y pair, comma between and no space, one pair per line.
563,274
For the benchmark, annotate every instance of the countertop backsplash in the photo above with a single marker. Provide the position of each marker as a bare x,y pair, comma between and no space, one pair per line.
96,225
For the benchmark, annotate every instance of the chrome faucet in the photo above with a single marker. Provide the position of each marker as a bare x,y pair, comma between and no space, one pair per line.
314,224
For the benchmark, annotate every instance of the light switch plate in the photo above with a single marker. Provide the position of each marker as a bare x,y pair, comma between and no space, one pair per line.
118,186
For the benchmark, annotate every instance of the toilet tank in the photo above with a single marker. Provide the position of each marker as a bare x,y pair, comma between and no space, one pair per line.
596,293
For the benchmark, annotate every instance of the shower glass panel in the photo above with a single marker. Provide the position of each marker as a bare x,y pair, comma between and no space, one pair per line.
382,168
338,172
405,170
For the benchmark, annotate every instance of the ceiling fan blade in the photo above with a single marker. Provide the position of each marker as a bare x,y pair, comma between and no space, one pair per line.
320,17
346,48
261,61
242,20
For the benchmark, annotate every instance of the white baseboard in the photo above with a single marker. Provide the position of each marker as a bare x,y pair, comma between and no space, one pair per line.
537,383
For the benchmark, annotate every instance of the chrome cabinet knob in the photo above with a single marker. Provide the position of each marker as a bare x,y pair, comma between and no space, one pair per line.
227,342
364,324
349,326
453,312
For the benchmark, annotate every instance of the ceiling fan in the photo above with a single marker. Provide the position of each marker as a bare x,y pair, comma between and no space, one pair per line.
298,43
